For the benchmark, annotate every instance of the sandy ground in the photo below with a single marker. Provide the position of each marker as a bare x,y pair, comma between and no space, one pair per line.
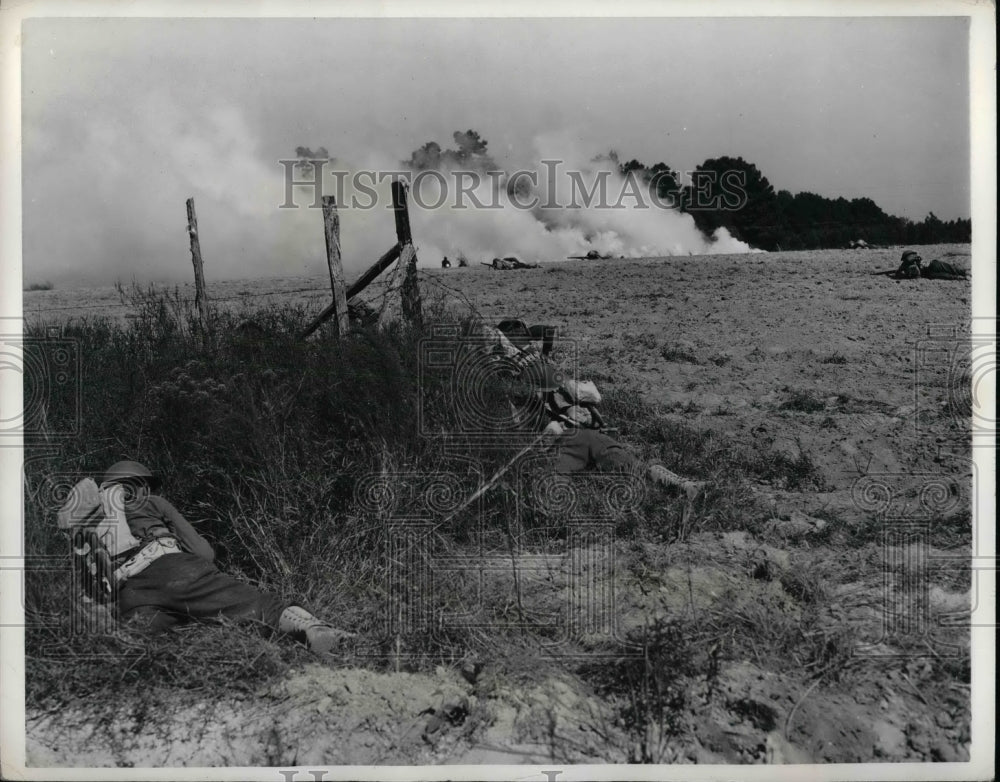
726,343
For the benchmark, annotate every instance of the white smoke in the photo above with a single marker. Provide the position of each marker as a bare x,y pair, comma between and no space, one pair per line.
118,196
625,222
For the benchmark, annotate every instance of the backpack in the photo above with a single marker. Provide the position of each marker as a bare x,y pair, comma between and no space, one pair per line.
95,519
575,403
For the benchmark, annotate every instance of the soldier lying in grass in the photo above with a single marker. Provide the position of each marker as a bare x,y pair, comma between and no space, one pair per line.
577,430
567,413
161,570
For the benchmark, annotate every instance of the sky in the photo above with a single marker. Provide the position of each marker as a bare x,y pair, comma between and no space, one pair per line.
123,119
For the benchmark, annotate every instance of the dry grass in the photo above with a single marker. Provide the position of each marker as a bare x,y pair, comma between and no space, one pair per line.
271,445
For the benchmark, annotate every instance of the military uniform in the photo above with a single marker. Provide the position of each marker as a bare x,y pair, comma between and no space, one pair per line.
186,584
170,576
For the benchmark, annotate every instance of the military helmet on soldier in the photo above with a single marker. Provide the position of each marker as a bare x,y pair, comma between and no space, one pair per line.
126,470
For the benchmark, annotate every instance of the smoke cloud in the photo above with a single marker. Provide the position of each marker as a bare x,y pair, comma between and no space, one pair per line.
624,223
121,216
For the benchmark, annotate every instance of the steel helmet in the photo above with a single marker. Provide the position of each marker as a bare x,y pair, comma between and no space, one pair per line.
125,469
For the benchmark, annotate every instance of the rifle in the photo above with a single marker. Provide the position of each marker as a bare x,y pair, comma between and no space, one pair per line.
890,271
484,487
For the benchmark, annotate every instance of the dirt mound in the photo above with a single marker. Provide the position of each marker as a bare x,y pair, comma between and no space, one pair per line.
317,715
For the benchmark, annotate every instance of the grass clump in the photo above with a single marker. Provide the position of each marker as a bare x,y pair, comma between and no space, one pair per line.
803,402
648,686
678,354
330,472
264,441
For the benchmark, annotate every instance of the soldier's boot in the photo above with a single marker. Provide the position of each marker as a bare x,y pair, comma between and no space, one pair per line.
674,482
320,636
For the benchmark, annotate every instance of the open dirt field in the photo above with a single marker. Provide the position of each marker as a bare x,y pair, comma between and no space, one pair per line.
826,605
729,342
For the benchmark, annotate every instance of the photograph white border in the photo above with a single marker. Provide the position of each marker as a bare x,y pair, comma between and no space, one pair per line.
982,53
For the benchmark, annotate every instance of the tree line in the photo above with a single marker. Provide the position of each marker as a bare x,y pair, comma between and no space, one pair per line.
732,193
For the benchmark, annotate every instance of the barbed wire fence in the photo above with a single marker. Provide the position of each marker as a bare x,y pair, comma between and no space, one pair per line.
384,292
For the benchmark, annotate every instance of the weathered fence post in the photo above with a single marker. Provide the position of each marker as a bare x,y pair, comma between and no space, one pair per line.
331,229
410,291
357,286
200,295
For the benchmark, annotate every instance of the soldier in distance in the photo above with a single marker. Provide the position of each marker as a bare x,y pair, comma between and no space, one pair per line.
171,578
570,421
911,267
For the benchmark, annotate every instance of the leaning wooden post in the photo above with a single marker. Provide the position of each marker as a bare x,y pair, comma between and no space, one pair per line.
200,295
410,291
331,229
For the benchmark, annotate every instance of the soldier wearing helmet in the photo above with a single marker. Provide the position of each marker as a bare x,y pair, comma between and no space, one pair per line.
170,576
909,265
567,413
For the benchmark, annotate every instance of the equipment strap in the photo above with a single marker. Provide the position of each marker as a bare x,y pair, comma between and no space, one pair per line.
145,556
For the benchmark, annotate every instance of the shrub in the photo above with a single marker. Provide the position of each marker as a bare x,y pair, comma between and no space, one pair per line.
679,354
649,686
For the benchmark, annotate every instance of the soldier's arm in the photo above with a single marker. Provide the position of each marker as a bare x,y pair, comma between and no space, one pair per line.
186,533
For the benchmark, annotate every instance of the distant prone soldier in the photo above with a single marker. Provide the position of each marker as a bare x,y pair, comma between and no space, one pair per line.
911,268
508,263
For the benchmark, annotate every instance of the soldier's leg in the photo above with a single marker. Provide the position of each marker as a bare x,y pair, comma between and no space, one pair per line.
187,586
610,455
203,591
320,636
674,482
575,451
